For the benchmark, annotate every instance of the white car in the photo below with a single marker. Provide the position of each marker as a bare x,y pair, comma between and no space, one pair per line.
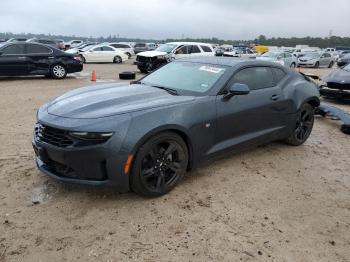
151,60
283,58
73,43
103,54
125,47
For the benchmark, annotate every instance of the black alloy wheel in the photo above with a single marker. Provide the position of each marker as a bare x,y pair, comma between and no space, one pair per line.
303,126
160,164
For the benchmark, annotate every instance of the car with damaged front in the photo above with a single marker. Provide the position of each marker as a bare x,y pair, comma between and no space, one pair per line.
337,84
151,60
146,134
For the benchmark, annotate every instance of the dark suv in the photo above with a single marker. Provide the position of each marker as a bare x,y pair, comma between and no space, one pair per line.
20,58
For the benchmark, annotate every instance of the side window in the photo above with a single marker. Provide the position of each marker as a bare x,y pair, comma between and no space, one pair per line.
183,50
140,45
255,77
97,49
195,49
37,49
13,50
106,48
206,49
327,55
279,74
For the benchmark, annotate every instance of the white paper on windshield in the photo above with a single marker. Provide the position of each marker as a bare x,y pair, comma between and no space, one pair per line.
211,69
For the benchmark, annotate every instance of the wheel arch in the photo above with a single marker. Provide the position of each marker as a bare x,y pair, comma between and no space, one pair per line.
168,128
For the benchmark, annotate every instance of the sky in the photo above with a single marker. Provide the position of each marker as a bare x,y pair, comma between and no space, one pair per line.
161,19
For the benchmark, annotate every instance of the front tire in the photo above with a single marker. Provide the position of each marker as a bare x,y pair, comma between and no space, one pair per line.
58,71
303,126
159,165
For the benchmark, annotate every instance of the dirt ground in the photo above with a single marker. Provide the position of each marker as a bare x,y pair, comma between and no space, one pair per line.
273,203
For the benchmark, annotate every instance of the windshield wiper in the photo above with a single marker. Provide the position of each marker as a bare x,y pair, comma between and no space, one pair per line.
168,89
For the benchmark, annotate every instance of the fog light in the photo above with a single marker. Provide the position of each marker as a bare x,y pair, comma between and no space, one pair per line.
91,135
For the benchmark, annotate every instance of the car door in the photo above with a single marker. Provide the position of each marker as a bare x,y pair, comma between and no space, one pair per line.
39,58
254,118
12,60
94,55
107,54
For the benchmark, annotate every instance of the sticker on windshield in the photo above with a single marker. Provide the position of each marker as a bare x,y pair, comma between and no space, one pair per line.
211,69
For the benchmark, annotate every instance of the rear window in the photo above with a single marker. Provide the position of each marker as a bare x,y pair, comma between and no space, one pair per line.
206,49
13,50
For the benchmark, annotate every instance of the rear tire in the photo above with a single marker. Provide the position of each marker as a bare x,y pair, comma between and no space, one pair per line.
303,126
293,65
159,165
83,59
117,59
58,71
317,65
331,64
128,54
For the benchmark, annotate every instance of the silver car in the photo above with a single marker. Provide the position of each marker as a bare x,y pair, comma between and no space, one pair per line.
316,59
283,58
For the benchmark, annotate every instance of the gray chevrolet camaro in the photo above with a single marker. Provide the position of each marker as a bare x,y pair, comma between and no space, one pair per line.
145,135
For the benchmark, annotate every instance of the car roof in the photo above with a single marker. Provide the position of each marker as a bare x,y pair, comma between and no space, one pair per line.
188,43
228,61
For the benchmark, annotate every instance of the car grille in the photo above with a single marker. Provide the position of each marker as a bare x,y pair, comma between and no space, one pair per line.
142,59
52,136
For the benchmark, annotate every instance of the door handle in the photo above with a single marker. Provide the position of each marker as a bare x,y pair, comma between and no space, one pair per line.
275,97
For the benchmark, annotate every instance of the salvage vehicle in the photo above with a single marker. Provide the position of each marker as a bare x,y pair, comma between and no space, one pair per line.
103,54
283,58
21,58
344,60
151,60
337,84
126,48
145,135
316,59
142,47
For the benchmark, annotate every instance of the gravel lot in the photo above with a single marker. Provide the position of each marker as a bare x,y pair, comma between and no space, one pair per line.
273,203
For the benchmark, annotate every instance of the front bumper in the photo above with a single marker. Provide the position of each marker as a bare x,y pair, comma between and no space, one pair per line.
73,68
335,93
306,64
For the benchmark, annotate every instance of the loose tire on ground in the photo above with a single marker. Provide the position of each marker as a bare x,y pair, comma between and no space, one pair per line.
127,75
160,164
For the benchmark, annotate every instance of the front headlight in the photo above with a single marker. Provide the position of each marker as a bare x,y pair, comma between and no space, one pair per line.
92,135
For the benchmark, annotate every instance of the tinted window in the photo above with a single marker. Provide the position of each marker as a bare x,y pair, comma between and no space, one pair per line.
13,50
195,49
206,49
255,77
46,42
107,48
37,49
97,49
326,55
279,74
140,45
117,45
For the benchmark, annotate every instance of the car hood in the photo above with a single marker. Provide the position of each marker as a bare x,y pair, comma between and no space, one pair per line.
151,53
338,76
111,99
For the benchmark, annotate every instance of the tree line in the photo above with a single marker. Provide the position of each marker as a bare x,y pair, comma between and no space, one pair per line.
332,41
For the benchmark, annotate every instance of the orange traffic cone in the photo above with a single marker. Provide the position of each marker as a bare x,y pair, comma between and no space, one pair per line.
93,76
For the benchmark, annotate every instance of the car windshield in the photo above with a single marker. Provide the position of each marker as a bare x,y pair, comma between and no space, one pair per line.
185,76
271,54
166,48
312,55
86,48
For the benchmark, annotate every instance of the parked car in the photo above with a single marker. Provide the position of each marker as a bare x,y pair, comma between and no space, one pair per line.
80,48
126,48
338,84
103,54
147,134
283,58
142,47
73,43
21,58
44,41
17,39
344,60
151,60
316,59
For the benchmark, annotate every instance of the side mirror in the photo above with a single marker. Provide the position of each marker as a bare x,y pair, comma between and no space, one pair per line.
237,89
